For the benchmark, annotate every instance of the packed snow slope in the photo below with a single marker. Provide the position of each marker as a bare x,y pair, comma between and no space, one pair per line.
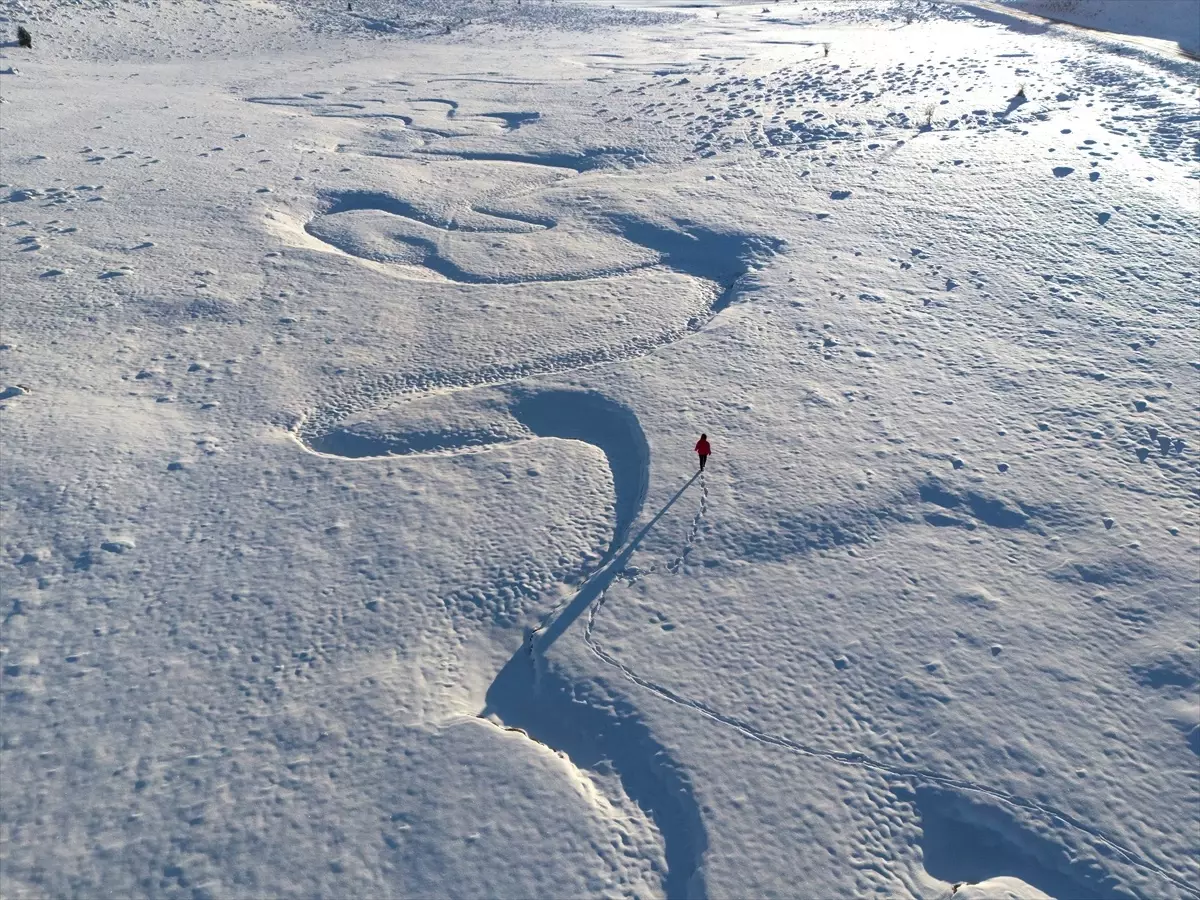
350,367
1176,21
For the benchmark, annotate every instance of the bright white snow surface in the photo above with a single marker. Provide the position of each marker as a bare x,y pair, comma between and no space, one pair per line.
1002,888
351,367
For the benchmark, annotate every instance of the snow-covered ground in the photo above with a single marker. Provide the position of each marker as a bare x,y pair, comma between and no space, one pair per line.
351,363
1175,21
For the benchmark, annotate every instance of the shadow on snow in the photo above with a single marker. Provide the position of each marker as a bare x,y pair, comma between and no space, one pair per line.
596,730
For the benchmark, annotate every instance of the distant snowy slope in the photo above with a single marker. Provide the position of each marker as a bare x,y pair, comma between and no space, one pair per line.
421,17
1171,20
176,29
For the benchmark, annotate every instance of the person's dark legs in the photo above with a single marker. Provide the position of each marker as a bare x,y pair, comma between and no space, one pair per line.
703,460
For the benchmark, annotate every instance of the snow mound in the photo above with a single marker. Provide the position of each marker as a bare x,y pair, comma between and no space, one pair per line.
1002,888
1170,20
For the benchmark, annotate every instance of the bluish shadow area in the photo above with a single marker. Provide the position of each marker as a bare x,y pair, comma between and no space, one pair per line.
719,256
350,444
992,511
612,566
513,120
598,732
967,841
1014,103
352,201
596,419
1012,23
356,445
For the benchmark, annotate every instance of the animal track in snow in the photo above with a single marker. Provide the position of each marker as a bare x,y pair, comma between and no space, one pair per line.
922,780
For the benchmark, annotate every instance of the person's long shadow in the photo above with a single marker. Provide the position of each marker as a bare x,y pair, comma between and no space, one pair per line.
595,729
599,582
518,671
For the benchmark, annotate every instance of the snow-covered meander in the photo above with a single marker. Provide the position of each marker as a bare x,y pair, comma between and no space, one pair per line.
350,370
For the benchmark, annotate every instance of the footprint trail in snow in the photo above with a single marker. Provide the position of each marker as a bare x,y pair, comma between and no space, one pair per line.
856,759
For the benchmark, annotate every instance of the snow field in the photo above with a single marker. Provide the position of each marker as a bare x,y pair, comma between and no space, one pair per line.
353,544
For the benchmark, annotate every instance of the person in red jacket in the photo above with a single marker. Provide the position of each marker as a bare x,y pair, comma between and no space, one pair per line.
703,449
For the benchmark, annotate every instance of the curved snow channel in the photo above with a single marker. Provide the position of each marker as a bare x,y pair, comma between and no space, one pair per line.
605,736
636,848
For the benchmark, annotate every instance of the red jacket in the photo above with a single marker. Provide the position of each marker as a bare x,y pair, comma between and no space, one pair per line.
702,447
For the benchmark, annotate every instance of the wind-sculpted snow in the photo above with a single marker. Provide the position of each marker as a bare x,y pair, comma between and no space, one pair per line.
353,543
542,250
473,244
514,413
485,418
964,839
601,731
592,417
